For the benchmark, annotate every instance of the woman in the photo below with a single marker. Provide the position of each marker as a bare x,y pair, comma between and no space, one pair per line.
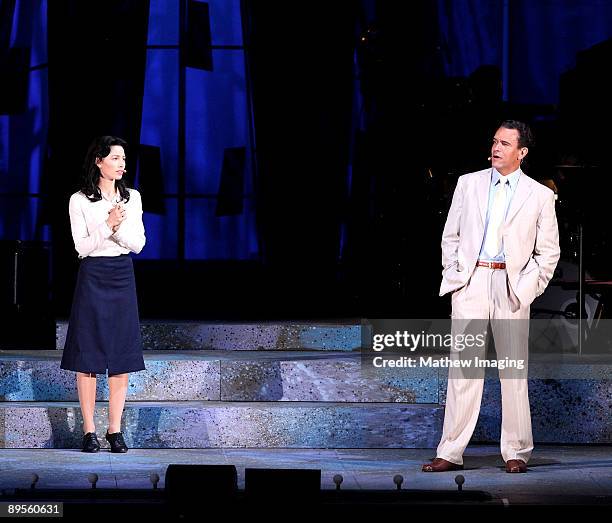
104,331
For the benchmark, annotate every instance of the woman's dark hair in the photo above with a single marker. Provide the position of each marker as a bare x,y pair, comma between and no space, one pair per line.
98,149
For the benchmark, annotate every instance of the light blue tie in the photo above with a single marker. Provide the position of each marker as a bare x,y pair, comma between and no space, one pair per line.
496,219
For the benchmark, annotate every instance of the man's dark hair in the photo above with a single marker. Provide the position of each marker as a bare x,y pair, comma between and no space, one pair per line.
525,138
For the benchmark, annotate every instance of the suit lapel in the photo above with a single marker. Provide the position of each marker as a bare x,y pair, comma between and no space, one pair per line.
523,190
483,193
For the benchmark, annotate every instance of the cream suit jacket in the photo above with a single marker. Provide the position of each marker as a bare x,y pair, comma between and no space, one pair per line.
530,235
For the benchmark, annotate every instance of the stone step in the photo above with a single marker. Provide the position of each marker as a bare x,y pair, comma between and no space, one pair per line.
166,335
573,406
228,425
563,411
225,376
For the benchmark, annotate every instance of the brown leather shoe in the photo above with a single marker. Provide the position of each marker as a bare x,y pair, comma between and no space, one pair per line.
441,465
516,466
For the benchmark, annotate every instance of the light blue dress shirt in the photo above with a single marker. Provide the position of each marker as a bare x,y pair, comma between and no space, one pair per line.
496,185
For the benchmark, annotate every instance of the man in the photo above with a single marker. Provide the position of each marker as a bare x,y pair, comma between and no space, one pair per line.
500,246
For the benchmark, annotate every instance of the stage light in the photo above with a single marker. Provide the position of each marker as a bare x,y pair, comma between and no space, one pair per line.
398,479
338,479
33,480
93,479
154,479
459,480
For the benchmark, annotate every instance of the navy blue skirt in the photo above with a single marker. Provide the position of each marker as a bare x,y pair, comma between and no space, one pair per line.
104,329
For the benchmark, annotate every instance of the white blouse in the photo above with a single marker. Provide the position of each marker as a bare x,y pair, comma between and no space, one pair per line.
91,234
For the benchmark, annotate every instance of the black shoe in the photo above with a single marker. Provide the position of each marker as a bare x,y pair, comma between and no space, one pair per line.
116,442
90,442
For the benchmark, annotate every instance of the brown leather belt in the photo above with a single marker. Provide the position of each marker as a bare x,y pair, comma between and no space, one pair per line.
491,265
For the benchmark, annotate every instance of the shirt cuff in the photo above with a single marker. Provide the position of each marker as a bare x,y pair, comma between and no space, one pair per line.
108,232
119,236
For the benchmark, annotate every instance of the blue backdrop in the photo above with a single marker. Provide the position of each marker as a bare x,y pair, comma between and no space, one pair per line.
532,42
216,118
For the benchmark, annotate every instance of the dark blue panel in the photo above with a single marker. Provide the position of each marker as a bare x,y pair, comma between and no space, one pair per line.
39,40
227,237
543,39
225,26
163,22
160,111
23,136
38,119
216,118
471,32
160,231
5,122
23,140
18,218
538,57
30,29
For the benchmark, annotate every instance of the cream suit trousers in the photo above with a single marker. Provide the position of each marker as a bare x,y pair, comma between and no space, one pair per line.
487,300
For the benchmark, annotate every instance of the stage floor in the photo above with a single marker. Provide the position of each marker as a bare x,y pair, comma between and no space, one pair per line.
558,474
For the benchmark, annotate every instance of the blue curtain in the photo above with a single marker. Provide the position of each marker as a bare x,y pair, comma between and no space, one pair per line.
23,134
537,39
216,117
